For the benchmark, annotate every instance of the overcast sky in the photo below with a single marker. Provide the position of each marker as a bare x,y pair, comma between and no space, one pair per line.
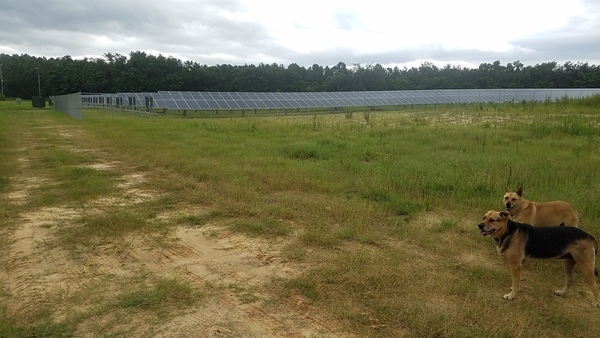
307,32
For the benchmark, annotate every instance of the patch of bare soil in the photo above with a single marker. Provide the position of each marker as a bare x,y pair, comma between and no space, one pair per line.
36,273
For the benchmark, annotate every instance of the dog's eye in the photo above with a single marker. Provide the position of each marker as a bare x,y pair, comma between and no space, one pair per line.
492,220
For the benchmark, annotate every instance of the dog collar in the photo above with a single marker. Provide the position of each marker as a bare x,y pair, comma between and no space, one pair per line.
502,243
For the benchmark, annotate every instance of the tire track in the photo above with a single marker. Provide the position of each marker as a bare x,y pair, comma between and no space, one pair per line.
234,269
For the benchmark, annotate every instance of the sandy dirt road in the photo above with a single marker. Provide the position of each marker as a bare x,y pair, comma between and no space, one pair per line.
232,270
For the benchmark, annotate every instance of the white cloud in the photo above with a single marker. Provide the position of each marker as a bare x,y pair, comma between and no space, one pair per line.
308,31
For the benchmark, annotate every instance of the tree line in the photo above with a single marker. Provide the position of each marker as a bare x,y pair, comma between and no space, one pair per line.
26,76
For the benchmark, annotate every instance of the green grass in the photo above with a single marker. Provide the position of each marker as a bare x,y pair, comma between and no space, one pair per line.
268,227
111,226
383,209
201,219
160,297
75,185
246,296
44,328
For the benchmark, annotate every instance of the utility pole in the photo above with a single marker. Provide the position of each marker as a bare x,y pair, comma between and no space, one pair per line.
39,83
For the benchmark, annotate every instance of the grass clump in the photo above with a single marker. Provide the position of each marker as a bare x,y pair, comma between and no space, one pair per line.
43,327
202,219
302,152
268,227
165,295
106,227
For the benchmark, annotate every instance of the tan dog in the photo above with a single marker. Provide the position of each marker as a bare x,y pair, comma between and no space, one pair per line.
539,213
519,242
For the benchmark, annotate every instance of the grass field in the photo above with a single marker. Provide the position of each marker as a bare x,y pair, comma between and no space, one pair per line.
366,223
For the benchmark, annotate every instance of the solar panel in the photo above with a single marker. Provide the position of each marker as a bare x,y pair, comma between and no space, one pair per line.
176,100
261,105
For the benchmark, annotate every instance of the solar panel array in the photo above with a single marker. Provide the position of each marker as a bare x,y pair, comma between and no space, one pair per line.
175,100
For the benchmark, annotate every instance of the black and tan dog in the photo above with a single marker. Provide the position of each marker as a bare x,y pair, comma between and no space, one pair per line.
539,213
519,242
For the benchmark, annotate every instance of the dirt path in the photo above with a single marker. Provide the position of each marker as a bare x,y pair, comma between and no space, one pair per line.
36,274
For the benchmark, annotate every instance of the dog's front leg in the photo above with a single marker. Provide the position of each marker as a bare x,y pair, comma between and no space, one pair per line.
515,272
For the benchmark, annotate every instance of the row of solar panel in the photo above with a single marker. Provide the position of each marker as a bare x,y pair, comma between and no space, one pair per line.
277,100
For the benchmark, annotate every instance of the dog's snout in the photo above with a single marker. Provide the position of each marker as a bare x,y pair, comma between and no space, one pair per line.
480,226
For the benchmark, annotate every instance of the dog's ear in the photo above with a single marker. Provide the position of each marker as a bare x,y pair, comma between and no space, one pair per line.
504,214
506,189
520,191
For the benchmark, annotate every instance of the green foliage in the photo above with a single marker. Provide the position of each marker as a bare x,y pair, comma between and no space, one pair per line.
142,72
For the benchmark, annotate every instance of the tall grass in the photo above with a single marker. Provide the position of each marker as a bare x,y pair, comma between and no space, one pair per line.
340,181
384,208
